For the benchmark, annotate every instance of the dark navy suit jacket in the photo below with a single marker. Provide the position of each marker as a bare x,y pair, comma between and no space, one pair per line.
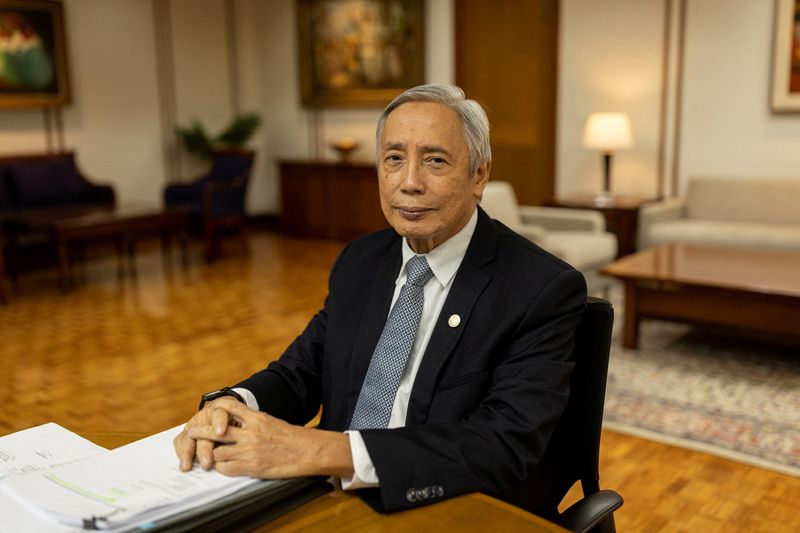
488,392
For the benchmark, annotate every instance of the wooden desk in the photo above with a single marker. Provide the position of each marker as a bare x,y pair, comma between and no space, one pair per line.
342,511
327,199
622,216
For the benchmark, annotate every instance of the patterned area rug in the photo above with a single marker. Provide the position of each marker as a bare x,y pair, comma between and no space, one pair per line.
691,388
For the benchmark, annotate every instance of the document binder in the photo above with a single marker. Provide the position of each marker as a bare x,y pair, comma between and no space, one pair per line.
242,511
137,487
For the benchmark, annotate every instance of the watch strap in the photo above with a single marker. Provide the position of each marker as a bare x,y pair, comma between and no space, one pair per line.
226,391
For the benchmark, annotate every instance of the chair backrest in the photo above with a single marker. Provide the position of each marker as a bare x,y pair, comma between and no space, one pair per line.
230,164
576,443
574,450
500,203
756,199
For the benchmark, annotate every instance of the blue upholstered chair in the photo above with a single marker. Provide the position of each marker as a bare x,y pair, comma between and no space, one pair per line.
216,200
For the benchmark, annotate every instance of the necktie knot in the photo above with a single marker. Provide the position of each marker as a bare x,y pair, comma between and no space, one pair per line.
418,271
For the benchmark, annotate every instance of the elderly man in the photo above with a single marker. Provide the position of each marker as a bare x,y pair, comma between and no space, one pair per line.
440,357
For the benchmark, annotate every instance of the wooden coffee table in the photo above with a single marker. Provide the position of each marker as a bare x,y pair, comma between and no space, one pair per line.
124,224
751,290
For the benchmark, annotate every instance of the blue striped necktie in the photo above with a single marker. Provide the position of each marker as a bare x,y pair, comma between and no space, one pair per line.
374,405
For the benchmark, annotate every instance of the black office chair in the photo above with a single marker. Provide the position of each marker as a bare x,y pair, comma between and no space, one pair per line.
574,450
576,443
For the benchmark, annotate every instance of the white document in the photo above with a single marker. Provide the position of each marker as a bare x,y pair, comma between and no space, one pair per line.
42,447
35,449
131,485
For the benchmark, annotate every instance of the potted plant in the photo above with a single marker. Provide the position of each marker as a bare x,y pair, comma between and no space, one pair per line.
197,141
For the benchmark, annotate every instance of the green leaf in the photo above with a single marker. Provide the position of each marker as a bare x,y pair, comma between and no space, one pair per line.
195,139
240,131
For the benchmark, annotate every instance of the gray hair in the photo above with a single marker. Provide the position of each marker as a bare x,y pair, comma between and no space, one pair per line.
473,119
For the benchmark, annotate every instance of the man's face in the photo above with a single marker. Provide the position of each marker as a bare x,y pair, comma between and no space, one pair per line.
427,192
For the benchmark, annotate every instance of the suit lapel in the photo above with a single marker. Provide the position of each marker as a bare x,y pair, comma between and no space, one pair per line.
372,322
468,285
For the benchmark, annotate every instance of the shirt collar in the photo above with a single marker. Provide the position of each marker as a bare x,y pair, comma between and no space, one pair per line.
445,259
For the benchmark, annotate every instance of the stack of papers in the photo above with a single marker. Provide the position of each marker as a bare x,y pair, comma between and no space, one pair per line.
54,480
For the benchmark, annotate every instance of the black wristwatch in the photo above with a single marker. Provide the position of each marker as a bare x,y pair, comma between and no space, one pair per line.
227,391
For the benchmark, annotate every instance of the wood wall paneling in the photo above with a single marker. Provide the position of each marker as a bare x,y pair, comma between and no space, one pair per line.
506,58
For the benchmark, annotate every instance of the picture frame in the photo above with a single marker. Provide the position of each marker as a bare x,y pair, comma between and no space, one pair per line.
359,52
33,59
785,93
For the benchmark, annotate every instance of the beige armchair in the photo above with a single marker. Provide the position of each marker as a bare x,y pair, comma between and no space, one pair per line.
577,236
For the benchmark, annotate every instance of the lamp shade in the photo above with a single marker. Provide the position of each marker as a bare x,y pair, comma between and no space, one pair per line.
607,131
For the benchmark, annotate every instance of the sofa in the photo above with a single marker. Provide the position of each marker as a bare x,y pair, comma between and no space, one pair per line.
726,211
48,180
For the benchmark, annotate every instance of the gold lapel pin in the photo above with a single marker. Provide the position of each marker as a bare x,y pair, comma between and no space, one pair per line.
454,321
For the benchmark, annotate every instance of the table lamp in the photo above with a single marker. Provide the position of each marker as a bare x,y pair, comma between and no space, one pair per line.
607,132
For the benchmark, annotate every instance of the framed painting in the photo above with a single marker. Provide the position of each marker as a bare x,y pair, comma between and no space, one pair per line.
359,52
33,59
786,57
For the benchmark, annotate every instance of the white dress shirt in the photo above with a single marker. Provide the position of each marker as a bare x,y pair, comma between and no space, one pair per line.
444,261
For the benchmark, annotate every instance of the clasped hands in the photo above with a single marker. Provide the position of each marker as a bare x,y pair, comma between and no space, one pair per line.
239,441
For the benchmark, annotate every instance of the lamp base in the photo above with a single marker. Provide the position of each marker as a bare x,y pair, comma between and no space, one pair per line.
603,199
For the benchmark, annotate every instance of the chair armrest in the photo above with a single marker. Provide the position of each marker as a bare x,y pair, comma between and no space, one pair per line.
563,218
183,194
101,194
213,187
591,511
533,233
96,193
653,213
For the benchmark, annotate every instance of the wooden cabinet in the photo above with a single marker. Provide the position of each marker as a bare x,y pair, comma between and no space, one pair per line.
329,199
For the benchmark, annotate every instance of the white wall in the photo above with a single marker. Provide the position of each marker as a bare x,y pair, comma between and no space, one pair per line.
727,124
202,83
113,122
610,59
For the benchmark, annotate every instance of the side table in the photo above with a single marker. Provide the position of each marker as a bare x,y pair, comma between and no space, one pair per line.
622,216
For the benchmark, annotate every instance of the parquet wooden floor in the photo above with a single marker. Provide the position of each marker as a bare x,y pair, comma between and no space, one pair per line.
135,355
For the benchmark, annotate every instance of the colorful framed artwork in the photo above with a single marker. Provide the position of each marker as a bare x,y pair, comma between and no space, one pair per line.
786,57
359,52
33,59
